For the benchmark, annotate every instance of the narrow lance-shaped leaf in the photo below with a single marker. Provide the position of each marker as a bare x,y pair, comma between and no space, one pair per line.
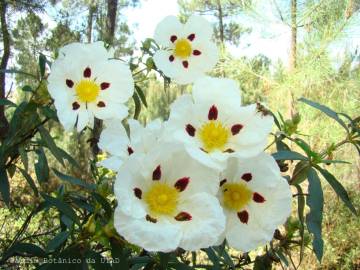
338,188
301,208
62,206
12,71
288,155
73,180
27,88
137,106
42,64
141,94
42,167
300,172
51,144
57,241
97,261
24,157
329,112
6,102
4,186
30,181
25,248
69,158
104,203
315,201
212,257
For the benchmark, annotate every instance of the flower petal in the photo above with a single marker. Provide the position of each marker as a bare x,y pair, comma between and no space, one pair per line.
207,215
83,119
113,139
160,236
111,110
166,28
199,26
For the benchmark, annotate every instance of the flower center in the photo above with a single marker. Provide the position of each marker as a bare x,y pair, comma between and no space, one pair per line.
87,91
214,136
236,195
161,199
182,48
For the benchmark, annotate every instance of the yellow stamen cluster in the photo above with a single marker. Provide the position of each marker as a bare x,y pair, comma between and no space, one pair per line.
87,91
182,48
236,195
214,136
161,199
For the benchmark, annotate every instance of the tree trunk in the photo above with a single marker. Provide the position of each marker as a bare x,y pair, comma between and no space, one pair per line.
92,10
110,34
4,124
111,20
292,59
221,23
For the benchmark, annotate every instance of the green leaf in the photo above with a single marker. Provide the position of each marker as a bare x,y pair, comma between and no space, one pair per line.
97,261
25,248
11,170
81,202
73,180
57,241
180,266
30,181
338,188
140,260
164,259
41,167
262,263
325,110
12,71
65,220
72,254
301,208
282,257
137,106
69,158
304,146
6,102
27,88
276,121
281,146
300,172
49,113
42,64
141,95
328,161
62,206
149,64
104,203
315,201
288,155
212,257
24,158
119,252
51,144
4,186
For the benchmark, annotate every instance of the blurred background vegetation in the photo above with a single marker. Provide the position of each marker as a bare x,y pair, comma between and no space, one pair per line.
317,28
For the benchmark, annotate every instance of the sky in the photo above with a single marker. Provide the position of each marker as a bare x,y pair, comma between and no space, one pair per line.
269,35
273,44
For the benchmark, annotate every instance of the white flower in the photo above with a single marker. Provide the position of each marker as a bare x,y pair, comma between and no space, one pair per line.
120,146
256,200
188,50
213,124
85,82
167,200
